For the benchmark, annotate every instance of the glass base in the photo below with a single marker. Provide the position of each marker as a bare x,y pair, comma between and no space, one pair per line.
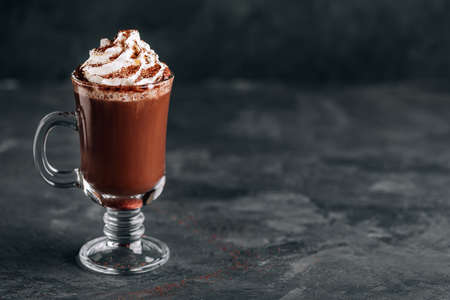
104,256
130,202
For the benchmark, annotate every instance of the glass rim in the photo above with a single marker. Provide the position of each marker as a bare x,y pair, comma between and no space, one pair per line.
127,87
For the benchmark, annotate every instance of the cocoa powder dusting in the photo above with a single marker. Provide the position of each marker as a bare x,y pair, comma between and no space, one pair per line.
113,57
148,73
124,72
103,49
79,74
166,74
136,51
96,65
126,32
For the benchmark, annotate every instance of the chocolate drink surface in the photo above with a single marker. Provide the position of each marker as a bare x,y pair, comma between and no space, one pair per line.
122,142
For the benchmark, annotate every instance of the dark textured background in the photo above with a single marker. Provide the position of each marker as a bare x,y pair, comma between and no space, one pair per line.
307,41
307,149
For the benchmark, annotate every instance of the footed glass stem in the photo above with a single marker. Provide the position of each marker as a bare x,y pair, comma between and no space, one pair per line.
124,249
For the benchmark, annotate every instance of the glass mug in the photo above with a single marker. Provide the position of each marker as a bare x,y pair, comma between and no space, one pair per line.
122,133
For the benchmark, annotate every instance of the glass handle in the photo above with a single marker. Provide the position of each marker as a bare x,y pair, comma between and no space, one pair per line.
51,175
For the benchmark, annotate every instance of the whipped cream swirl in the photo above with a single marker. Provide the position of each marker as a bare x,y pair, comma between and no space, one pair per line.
127,60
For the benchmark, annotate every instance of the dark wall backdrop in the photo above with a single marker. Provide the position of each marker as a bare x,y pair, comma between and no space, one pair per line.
307,41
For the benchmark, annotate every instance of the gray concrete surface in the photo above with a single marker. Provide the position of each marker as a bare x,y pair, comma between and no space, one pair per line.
274,192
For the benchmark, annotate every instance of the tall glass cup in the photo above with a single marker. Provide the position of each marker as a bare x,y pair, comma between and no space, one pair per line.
122,133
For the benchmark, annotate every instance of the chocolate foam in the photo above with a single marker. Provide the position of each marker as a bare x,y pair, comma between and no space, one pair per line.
126,61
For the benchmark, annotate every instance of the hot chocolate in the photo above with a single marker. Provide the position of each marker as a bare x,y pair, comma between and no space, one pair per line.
122,97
